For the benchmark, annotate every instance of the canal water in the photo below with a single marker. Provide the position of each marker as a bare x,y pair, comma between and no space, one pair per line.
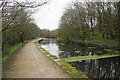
95,68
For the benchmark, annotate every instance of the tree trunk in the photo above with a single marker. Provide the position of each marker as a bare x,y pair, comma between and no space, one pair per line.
118,35
100,22
22,40
111,34
107,35
92,29
103,35
116,32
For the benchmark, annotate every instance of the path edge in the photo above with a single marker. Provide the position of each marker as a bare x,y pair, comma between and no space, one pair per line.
71,71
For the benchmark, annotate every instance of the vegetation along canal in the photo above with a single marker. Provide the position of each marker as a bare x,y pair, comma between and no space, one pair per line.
95,62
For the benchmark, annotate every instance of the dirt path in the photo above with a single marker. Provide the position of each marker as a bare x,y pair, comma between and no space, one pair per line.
31,63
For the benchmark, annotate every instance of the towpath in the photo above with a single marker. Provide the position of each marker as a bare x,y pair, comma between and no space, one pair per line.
30,62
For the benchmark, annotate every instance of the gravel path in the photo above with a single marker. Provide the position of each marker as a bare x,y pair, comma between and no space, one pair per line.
29,62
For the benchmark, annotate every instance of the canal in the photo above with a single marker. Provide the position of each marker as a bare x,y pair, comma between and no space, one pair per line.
93,68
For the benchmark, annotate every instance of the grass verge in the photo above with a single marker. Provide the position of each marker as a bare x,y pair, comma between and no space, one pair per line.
81,58
97,38
13,49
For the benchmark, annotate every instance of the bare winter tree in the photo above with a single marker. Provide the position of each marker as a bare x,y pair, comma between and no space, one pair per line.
6,7
17,25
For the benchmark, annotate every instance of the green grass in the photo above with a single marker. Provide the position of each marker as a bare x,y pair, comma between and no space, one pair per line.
77,51
91,47
100,52
109,50
11,50
113,51
5,58
97,38
61,44
14,48
54,57
80,58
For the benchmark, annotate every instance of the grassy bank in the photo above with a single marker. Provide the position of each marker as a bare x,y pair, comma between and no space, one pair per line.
72,71
97,38
13,49
81,58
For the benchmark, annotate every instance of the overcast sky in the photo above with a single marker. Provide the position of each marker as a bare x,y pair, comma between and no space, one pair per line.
48,16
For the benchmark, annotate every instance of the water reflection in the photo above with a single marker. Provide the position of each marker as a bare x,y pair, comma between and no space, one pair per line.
51,46
70,50
101,68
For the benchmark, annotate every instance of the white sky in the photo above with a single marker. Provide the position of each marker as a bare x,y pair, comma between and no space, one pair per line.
48,16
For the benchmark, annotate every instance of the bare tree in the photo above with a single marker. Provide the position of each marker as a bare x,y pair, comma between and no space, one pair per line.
6,6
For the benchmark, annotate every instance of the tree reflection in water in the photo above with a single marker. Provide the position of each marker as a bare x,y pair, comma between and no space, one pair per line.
100,68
